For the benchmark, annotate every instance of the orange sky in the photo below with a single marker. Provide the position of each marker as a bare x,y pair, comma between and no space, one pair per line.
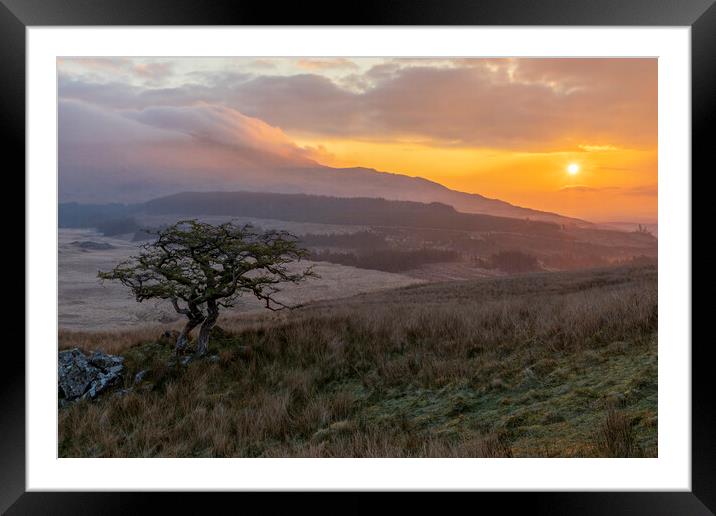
503,128
610,182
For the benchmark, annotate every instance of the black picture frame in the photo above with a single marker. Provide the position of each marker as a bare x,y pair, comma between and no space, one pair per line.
17,15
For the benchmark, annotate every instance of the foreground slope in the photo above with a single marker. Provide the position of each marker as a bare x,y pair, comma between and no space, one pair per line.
540,365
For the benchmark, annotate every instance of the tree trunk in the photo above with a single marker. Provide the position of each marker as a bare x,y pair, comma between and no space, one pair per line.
202,343
183,339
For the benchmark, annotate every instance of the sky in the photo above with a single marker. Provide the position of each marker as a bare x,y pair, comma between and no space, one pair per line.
572,136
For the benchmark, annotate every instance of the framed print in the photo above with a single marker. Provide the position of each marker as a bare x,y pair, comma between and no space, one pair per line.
422,248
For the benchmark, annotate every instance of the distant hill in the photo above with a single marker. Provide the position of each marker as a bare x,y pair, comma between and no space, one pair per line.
135,185
651,227
335,210
76,215
400,225
367,182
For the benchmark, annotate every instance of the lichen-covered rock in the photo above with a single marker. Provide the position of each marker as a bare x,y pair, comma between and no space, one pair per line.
106,362
140,376
74,374
80,376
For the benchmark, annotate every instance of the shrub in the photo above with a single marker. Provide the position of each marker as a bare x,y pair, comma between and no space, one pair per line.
615,437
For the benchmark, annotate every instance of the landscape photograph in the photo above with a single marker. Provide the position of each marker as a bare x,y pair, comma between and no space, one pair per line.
357,257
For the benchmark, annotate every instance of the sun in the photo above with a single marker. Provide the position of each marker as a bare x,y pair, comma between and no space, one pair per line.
573,169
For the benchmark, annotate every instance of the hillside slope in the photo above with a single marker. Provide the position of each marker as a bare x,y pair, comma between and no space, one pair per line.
406,225
337,210
133,186
367,182
541,365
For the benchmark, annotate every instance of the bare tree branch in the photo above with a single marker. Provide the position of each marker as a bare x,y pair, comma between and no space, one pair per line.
208,267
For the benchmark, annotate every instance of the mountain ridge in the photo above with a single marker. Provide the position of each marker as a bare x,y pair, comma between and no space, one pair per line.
301,207
498,206
344,182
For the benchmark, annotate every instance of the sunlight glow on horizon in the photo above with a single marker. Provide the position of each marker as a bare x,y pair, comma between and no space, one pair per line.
536,180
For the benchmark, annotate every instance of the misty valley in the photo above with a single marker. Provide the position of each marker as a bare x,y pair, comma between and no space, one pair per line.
393,236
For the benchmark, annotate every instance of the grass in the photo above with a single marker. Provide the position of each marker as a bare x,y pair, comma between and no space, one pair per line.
539,365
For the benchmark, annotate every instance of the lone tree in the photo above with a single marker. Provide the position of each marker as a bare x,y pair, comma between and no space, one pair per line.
202,267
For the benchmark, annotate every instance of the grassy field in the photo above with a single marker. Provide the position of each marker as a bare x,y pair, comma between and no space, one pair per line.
86,304
539,365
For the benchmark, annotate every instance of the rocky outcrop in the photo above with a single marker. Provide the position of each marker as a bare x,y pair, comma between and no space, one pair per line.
82,377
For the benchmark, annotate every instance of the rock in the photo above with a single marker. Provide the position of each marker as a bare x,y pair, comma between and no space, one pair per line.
74,373
106,362
140,376
176,361
83,377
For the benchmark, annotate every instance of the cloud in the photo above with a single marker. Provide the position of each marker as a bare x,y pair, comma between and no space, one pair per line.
149,71
587,189
249,139
107,153
598,148
153,70
516,104
618,169
263,64
79,122
120,95
223,126
326,64
643,190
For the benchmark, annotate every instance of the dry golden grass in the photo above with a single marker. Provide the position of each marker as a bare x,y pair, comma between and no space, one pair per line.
112,341
615,436
521,366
